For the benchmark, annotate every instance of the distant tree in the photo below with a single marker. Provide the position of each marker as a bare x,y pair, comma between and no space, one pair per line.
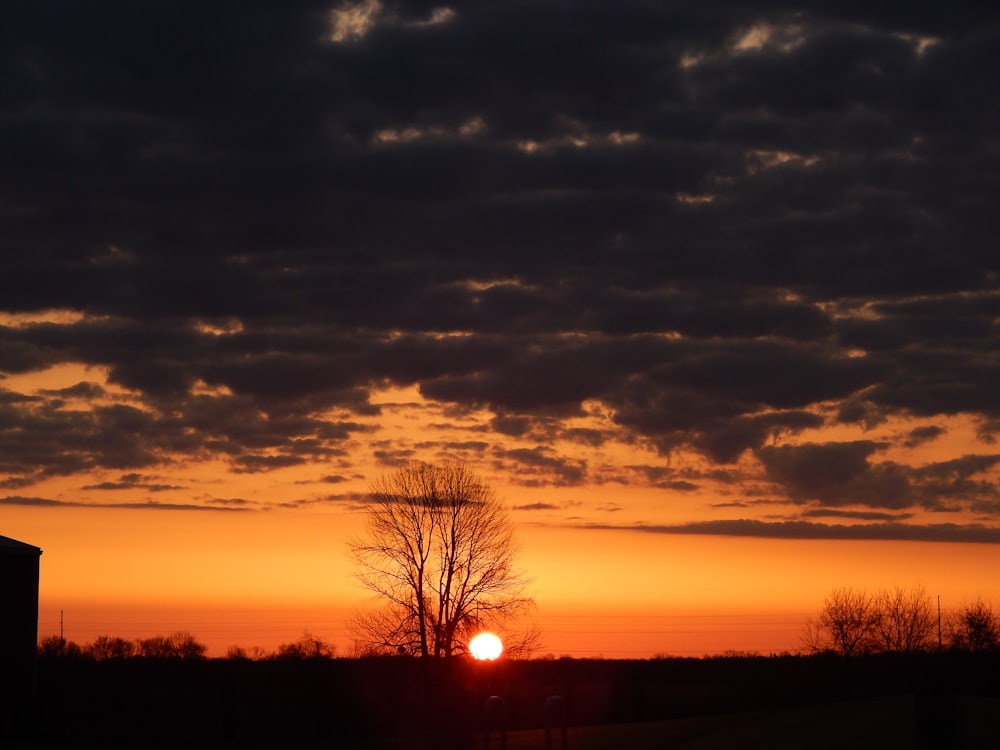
179,645
846,624
854,622
307,647
154,647
186,646
813,638
239,653
974,627
439,554
111,647
731,653
56,647
904,620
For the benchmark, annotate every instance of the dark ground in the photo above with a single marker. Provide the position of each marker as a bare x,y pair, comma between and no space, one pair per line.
345,703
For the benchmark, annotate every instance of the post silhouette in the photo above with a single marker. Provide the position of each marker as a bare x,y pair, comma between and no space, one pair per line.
555,714
494,717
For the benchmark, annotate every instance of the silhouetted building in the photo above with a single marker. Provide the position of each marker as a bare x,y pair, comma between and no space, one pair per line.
19,563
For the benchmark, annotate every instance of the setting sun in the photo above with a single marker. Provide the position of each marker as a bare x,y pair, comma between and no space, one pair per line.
485,647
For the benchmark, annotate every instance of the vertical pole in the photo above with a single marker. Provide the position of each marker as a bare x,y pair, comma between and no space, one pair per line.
939,622
555,711
494,716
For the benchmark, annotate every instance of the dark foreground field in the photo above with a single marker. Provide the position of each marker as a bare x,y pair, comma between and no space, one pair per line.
925,701
885,723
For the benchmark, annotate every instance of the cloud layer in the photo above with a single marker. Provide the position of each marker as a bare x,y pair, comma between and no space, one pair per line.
759,235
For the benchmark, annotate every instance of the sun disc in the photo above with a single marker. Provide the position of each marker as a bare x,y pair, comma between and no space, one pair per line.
485,647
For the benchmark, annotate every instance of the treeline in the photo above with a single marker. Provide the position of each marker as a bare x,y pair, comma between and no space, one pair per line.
856,622
178,645
852,622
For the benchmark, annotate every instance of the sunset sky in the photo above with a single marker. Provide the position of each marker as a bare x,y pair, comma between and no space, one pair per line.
708,292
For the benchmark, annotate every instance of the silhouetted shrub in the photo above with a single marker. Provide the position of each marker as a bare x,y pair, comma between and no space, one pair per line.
111,647
307,647
55,647
854,622
179,645
974,627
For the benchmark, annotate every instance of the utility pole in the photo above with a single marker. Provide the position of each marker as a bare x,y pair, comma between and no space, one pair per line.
939,622
62,629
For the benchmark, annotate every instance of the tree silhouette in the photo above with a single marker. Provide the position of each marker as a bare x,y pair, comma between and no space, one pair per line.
848,618
308,646
439,554
111,647
855,622
974,627
57,647
179,645
904,620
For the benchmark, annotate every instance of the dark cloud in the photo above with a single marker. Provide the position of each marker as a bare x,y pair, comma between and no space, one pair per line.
393,458
586,436
856,515
39,502
678,485
86,391
836,473
513,426
536,506
152,505
231,502
529,464
254,464
959,468
920,435
944,484
334,479
131,482
729,225
944,532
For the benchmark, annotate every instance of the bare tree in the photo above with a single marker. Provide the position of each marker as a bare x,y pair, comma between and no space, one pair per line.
439,554
111,647
904,620
846,624
185,646
179,645
974,627
239,653
155,647
854,622
813,638
57,647
308,646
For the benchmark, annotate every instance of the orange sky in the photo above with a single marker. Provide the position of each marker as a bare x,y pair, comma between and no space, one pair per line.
261,579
